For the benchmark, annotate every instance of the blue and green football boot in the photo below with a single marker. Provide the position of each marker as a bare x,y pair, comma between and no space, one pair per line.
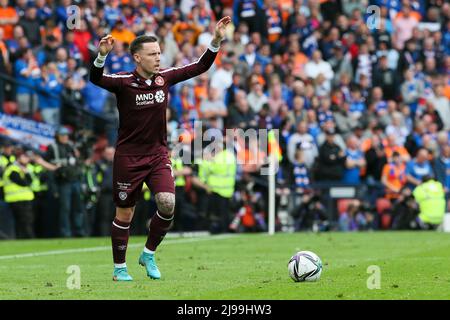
121,274
148,261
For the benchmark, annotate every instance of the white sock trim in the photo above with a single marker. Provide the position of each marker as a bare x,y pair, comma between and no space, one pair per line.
148,251
120,265
120,227
167,219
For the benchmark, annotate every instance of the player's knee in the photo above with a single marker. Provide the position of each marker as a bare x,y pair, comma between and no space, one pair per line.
165,202
125,214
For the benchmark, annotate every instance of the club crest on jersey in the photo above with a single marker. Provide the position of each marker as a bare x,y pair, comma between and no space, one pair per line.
159,81
123,195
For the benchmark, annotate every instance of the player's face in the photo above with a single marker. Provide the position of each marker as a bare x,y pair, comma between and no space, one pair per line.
148,57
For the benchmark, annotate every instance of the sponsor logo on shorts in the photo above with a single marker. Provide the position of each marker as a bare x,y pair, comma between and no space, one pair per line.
123,195
124,186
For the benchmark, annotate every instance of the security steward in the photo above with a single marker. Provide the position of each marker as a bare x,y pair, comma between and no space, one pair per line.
19,194
430,196
220,178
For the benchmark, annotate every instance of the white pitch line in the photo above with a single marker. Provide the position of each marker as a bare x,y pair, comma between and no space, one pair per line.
103,248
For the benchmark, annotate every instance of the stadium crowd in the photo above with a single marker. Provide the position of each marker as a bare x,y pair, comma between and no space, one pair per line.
360,98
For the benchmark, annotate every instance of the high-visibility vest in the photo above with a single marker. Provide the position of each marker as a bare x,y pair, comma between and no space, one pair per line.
14,192
221,174
35,172
431,199
180,181
202,170
4,162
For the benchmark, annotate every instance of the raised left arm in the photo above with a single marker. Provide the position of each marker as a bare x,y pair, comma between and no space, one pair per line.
175,75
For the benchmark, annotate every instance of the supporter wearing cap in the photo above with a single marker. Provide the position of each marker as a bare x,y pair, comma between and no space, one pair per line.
68,185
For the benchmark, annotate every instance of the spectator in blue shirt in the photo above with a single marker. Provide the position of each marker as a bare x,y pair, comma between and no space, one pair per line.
446,38
250,56
442,169
378,100
26,72
61,62
13,43
44,12
112,12
357,102
324,114
119,60
49,94
47,52
300,173
71,47
418,168
61,13
354,161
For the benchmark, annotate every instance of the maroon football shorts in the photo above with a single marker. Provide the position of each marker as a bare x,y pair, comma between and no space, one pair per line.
130,172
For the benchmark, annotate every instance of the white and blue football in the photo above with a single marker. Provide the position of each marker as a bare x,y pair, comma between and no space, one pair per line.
305,266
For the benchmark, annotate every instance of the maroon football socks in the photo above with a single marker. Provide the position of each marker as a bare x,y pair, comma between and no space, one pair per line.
158,230
119,237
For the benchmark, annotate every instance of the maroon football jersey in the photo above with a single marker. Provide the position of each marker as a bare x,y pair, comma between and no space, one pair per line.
142,104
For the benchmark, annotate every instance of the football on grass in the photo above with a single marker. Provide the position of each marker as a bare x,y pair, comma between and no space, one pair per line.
305,266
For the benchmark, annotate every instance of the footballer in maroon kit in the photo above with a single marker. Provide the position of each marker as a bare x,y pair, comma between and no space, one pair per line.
141,151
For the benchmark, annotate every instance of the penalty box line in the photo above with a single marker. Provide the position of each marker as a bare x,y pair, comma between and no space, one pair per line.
104,248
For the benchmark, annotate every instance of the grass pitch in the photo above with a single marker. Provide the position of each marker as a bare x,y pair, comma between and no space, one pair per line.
413,265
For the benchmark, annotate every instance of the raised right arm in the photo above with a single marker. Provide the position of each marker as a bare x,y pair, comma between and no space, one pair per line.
110,82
